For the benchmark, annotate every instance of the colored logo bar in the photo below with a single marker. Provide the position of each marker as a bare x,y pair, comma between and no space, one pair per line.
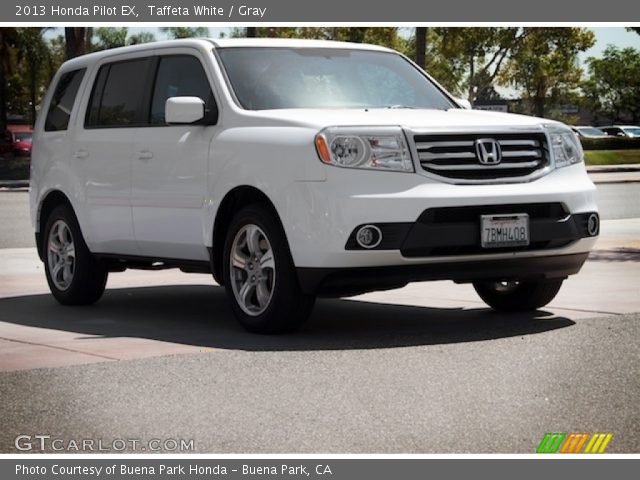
560,442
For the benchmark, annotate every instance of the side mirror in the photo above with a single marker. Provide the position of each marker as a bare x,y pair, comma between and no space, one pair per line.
183,110
464,103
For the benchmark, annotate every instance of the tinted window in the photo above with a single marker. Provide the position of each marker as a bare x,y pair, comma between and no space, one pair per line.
118,94
179,76
271,78
62,101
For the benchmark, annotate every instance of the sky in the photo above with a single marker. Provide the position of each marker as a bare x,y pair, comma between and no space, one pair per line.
617,36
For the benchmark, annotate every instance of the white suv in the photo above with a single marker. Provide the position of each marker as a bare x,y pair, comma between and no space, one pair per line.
290,169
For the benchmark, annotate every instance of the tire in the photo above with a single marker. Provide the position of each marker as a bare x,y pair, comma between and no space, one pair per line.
517,296
74,276
262,288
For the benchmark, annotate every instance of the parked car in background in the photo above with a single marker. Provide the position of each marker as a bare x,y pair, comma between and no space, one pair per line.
21,140
631,131
589,132
16,140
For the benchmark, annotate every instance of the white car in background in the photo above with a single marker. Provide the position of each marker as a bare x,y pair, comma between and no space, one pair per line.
589,132
290,169
631,131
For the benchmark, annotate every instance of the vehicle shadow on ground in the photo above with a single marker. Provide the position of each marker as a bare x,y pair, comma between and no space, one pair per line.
615,255
199,315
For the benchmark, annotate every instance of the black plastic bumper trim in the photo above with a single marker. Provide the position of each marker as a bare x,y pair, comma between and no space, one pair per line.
343,281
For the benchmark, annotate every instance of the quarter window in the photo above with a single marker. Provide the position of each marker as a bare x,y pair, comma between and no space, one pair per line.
62,101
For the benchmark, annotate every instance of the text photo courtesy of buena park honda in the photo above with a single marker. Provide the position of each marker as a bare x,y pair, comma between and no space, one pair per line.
341,240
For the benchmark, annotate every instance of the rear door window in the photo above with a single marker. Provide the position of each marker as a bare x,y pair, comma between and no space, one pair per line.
118,95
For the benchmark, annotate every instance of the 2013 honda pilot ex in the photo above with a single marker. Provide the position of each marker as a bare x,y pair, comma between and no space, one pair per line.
290,169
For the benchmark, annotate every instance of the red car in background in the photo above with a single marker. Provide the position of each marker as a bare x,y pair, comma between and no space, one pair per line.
16,140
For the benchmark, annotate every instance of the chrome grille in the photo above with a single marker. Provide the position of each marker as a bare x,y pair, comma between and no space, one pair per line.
454,156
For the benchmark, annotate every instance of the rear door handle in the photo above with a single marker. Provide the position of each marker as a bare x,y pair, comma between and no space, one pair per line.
81,154
145,155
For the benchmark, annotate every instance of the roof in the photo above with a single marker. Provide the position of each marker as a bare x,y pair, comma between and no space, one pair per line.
292,43
207,43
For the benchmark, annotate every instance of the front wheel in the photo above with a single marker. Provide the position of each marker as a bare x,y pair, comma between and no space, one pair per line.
259,275
516,296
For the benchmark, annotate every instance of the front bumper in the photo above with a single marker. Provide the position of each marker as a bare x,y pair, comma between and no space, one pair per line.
454,231
319,217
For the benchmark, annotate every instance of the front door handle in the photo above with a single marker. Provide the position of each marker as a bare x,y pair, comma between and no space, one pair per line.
81,154
145,155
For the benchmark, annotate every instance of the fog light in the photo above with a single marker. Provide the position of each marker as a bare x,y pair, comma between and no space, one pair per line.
593,225
369,236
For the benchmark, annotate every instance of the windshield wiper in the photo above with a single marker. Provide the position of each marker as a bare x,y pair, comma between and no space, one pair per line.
400,106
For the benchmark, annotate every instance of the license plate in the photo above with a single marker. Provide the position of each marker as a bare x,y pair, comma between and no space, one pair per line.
498,231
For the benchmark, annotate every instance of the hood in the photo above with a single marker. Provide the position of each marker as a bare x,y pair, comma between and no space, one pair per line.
415,119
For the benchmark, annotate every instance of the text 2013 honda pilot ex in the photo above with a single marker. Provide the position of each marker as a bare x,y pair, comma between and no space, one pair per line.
290,169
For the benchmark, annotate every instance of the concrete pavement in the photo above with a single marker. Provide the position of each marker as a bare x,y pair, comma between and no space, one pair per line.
145,314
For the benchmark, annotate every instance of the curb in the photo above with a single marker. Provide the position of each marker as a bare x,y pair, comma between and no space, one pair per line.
11,184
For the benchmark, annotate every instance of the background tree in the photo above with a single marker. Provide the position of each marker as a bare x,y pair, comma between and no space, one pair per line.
481,53
185,32
141,37
544,66
7,40
109,37
78,40
613,87
421,46
33,52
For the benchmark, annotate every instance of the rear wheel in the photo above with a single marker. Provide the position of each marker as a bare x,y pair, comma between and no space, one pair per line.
259,275
74,276
516,296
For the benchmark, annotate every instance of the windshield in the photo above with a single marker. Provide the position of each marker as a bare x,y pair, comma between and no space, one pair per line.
634,131
274,78
23,136
592,132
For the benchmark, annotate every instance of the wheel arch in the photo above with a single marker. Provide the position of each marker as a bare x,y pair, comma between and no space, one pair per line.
50,201
232,202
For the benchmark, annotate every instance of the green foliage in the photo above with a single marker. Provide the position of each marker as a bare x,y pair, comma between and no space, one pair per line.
14,168
185,32
448,73
544,65
478,55
613,87
610,143
142,37
612,157
109,37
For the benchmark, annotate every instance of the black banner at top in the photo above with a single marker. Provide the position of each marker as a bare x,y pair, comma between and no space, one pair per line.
340,11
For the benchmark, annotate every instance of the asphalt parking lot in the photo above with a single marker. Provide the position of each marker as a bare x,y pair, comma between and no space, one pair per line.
427,368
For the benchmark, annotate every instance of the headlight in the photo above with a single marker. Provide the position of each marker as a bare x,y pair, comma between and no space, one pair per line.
567,149
379,148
